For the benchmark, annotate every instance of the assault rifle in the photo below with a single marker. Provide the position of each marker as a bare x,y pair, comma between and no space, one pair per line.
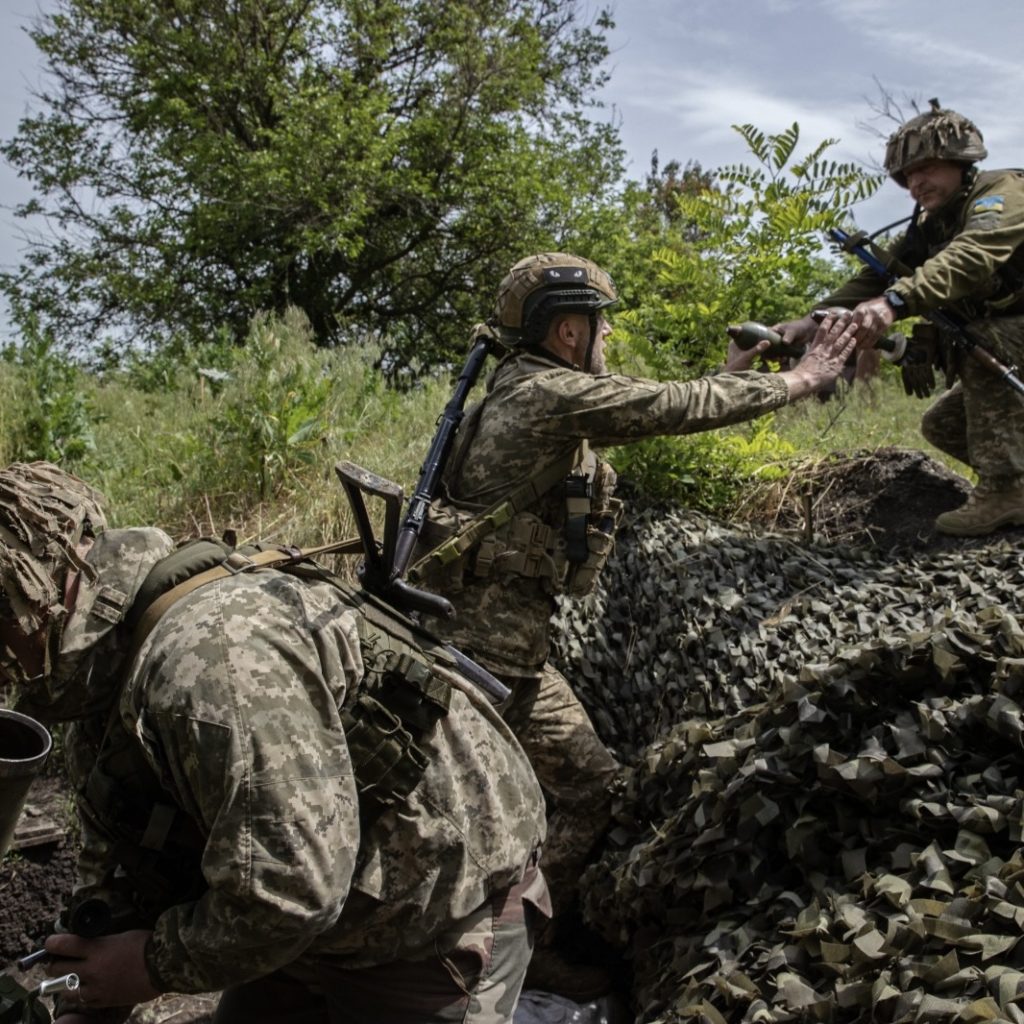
947,322
386,561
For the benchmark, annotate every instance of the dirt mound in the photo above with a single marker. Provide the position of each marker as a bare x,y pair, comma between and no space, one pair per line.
887,498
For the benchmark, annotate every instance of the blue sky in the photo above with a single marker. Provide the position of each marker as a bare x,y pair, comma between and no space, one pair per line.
683,71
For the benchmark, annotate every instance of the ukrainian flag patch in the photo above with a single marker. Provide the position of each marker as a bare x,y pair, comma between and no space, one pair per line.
988,204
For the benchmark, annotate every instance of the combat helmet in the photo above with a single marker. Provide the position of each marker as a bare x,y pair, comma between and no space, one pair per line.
937,134
45,514
540,287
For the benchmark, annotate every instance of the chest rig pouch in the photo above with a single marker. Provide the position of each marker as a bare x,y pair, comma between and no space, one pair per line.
402,697
557,528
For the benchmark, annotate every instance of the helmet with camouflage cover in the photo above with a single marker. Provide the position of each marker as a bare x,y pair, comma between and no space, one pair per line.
937,134
540,287
45,515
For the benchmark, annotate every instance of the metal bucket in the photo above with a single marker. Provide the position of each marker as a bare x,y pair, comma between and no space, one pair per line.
24,748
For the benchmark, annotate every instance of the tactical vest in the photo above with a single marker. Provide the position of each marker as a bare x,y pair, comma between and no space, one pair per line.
404,693
463,542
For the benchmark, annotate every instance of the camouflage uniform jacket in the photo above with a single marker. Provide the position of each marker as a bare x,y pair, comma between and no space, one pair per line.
537,410
231,711
967,256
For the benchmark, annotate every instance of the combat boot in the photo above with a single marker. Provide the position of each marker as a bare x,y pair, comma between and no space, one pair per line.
986,509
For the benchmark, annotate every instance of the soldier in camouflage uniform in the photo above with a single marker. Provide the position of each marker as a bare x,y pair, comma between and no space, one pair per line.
522,463
965,253
224,816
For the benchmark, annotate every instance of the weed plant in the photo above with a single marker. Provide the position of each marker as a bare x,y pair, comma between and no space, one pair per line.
247,438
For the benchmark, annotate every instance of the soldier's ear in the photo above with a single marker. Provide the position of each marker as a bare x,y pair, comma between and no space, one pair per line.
566,329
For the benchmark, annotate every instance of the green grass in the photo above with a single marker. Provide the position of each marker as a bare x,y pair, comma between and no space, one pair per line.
865,417
252,447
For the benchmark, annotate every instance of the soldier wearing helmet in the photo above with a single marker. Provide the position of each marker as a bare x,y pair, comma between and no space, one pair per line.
240,831
964,253
527,513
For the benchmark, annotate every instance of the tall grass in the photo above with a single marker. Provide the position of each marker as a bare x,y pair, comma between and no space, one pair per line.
248,443
865,417
247,439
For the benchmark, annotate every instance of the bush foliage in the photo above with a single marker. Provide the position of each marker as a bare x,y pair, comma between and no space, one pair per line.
275,178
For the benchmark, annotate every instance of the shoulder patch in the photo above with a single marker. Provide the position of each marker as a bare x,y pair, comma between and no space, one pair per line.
988,204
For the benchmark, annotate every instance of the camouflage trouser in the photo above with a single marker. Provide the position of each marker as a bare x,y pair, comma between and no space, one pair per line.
980,420
573,766
472,974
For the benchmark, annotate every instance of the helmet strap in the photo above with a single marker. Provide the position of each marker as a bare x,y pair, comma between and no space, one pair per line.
594,319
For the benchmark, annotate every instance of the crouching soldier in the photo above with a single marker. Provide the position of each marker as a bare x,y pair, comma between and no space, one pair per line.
287,791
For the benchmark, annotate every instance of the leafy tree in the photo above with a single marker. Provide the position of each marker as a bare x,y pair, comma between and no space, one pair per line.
376,163
699,250
745,242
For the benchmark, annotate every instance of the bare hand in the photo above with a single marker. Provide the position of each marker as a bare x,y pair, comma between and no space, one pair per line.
834,340
797,332
873,318
111,969
737,359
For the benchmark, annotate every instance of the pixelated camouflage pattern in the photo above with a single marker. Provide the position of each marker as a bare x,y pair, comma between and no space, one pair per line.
574,767
537,411
470,974
87,674
235,701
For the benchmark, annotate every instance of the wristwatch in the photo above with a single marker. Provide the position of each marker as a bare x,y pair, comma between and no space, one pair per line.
896,302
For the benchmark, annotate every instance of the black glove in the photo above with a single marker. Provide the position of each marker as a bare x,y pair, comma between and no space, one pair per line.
917,366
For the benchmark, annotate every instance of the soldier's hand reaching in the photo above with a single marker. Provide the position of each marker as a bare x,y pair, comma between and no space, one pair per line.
873,318
834,341
737,359
797,332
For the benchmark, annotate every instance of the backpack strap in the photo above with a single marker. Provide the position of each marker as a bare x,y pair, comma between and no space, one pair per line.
233,563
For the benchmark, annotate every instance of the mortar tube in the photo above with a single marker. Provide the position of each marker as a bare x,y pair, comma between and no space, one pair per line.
25,745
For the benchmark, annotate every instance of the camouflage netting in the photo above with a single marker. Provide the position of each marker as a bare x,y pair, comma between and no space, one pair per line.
825,816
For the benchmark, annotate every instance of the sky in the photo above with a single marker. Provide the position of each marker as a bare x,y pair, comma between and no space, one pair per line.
684,71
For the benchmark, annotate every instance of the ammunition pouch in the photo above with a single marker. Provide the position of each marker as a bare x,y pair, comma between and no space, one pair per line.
564,561
462,543
400,705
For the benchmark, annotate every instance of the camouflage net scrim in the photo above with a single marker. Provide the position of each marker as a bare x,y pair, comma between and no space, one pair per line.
825,817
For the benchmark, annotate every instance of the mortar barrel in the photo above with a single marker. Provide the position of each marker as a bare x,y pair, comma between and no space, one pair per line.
24,747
